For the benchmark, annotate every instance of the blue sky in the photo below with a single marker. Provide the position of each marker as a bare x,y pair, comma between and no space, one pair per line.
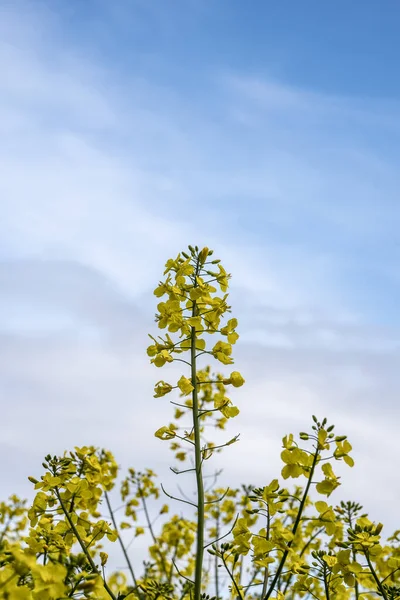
317,79
269,131
313,44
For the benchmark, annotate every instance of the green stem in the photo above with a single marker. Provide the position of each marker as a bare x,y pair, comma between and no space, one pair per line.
125,553
295,526
150,526
171,571
251,581
354,555
80,473
75,587
303,550
326,584
266,572
216,569
239,595
375,576
265,581
83,545
198,460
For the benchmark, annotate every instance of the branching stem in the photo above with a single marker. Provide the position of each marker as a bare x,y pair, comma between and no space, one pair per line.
124,550
83,545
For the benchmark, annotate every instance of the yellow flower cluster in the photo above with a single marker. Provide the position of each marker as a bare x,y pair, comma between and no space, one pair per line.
193,309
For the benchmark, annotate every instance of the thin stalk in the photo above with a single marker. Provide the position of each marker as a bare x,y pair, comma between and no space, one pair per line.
252,579
375,576
80,473
390,574
216,569
124,551
173,563
198,458
240,570
312,538
239,595
265,581
295,527
266,572
75,587
326,583
354,554
150,526
83,545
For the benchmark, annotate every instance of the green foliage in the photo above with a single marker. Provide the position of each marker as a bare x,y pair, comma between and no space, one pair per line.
279,541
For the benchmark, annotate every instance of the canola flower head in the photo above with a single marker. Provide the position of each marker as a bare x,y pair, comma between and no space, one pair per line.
190,302
193,304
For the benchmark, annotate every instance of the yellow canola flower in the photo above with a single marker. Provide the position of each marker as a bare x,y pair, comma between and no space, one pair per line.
225,406
330,482
161,389
165,433
203,255
152,350
222,352
163,288
195,322
49,581
329,560
161,358
229,331
233,337
223,278
236,379
280,596
185,385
